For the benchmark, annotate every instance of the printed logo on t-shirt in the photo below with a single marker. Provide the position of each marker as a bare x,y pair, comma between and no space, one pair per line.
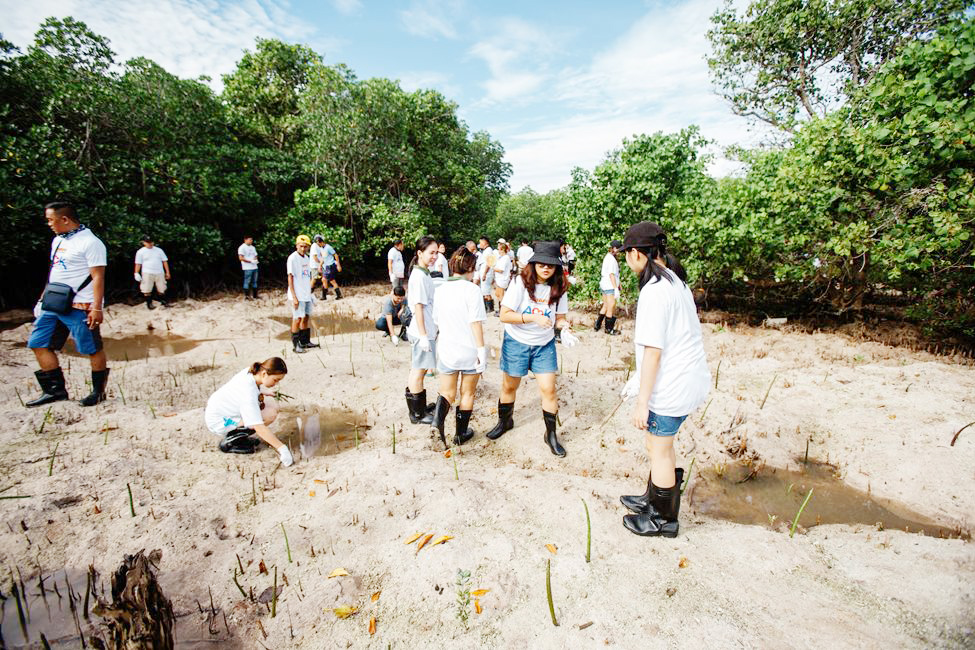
532,310
229,422
59,259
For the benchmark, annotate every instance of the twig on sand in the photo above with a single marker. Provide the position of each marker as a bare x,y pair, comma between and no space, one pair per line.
955,437
771,383
611,413
688,479
588,531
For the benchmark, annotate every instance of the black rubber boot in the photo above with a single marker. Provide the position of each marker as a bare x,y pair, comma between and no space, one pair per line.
641,503
99,379
149,302
247,293
255,293
440,412
163,301
52,387
464,432
417,404
611,327
551,438
666,502
505,421
306,339
599,321
239,441
324,292
338,293
403,336
296,342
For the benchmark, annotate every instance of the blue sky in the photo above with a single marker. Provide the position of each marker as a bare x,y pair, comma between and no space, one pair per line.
559,84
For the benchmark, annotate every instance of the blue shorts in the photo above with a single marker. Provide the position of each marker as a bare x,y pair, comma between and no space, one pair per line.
330,271
517,358
664,425
51,331
608,292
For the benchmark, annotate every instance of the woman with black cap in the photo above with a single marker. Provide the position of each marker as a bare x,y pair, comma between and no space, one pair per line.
672,377
533,306
609,287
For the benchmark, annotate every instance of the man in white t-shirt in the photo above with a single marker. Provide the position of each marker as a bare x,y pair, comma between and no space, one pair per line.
395,265
152,271
485,272
78,261
247,255
525,253
609,288
299,293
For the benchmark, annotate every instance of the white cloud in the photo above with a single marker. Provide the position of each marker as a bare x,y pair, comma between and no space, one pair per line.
439,81
515,56
188,38
432,18
347,7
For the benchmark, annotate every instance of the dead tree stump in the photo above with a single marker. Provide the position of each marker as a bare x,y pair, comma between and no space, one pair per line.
139,617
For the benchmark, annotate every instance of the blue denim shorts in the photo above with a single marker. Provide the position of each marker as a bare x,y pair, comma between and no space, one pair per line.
517,358
51,331
608,292
664,425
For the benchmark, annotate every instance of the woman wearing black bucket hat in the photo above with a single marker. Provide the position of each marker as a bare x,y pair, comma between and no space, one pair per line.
671,379
534,304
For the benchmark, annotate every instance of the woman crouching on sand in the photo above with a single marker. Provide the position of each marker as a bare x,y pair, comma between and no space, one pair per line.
243,406
533,306
672,377
459,315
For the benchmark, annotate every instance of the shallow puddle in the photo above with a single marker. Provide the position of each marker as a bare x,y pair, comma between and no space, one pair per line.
15,318
140,346
324,432
770,497
328,325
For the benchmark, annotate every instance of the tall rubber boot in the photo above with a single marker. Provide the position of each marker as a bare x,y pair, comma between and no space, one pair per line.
641,503
551,438
254,293
666,502
149,302
505,421
464,432
611,327
99,379
163,301
324,292
306,339
417,404
52,387
247,293
296,343
599,322
338,293
440,412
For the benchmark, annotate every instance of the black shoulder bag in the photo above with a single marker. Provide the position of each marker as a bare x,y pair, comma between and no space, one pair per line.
59,297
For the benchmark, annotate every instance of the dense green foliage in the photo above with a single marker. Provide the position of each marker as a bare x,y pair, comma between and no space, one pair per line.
291,145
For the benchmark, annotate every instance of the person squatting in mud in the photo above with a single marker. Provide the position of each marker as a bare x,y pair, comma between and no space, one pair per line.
459,315
672,377
422,330
533,306
245,406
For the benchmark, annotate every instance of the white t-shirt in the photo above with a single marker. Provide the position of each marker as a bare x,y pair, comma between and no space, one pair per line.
72,259
610,266
517,299
441,265
324,255
666,318
299,266
524,254
315,256
419,291
502,271
248,252
396,257
151,259
458,305
234,403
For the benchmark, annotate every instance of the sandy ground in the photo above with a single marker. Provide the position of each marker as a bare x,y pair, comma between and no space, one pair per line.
883,416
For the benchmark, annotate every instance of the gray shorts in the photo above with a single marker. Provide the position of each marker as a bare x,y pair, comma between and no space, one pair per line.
421,359
444,370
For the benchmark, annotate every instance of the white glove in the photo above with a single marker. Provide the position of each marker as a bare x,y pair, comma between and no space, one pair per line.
631,388
568,338
138,277
424,344
286,458
395,339
481,360
37,310
616,293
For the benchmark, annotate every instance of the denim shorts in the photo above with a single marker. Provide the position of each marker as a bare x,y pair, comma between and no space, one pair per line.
517,358
304,309
444,370
608,292
664,425
421,359
51,332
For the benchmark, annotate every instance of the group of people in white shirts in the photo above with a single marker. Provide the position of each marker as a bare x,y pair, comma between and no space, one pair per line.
449,307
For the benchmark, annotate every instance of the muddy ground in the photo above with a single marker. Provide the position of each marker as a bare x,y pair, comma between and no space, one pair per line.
867,427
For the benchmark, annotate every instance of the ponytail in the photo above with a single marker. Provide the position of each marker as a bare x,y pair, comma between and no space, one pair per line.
272,366
653,272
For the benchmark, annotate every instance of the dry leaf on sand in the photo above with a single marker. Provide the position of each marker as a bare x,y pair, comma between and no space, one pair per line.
441,540
683,562
345,611
320,481
448,454
552,548
477,606
262,568
338,572
311,493
413,538
477,593
372,626
375,596
423,542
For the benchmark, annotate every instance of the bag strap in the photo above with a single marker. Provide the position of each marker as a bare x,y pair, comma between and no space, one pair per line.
51,268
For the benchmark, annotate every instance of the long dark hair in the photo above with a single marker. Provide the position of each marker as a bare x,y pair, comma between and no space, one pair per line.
557,283
272,366
652,271
421,244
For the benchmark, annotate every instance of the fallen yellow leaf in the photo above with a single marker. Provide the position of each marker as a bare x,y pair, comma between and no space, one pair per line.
441,540
683,562
311,493
423,542
477,606
338,572
320,481
345,611
477,593
552,548
413,538
447,454
372,625
375,596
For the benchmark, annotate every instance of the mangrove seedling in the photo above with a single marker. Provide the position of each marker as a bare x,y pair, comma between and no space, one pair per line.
588,531
795,522
548,591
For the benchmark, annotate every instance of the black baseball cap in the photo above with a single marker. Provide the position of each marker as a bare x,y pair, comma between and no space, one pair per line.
146,238
547,252
644,235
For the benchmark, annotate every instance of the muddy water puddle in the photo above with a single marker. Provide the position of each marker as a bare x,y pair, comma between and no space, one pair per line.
140,346
328,325
323,432
772,497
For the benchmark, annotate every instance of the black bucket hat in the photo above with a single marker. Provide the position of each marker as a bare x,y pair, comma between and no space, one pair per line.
547,252
617,244
644,235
